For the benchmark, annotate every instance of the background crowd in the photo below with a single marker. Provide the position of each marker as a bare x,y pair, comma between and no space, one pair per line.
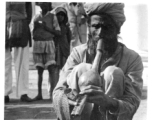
52,33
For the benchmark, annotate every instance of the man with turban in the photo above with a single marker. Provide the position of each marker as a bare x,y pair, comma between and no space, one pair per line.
120,70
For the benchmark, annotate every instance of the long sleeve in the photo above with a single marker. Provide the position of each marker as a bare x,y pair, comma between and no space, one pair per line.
55,23
129,102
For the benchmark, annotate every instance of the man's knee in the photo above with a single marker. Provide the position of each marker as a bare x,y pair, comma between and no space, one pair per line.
113,71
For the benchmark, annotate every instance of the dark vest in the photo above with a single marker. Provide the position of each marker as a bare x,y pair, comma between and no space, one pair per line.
40,34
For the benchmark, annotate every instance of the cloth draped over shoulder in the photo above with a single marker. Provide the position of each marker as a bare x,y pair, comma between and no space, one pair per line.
115,10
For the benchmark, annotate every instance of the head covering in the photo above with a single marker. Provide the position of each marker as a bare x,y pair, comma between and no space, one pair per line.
61,9
115,10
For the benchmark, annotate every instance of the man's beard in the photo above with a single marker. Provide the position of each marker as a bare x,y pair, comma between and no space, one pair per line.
110,44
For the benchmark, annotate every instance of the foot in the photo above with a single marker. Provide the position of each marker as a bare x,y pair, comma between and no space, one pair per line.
6,99
38,97
25,98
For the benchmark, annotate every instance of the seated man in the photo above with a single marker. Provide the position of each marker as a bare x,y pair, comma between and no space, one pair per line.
118,97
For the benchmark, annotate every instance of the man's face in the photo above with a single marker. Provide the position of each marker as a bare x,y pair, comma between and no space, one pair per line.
60,16
95,27
103,27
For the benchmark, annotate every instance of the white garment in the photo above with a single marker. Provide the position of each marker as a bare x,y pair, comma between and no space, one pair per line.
78,29
8,72
21,64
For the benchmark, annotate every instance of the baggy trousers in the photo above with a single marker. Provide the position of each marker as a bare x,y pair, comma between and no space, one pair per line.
21,64
113,85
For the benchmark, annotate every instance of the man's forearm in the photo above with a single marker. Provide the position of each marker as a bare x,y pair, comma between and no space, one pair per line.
54,32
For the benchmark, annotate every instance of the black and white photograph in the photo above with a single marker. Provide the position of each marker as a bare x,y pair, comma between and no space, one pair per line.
78,60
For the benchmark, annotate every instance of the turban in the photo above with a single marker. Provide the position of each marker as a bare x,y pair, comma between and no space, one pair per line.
60,9
115,10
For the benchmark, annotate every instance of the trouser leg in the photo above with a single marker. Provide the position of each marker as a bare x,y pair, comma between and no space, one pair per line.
21,60
8,72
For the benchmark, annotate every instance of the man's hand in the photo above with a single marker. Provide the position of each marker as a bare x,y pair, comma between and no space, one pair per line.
72,96
97,96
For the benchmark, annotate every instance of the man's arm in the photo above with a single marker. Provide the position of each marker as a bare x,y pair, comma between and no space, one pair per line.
56,28
129,102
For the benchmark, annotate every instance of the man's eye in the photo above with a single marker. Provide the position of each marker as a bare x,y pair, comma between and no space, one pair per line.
96,26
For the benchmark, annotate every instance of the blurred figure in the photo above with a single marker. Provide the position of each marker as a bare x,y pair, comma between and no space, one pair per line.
45,28
62,42
77,21
18,37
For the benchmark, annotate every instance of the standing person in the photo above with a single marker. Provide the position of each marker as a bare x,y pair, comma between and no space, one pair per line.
18,37
77,20
62,41
45,29
120,69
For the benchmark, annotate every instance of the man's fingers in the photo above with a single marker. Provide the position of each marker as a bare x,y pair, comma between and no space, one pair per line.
92,87
92,91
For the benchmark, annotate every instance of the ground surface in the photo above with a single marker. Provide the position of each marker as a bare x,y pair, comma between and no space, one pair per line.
43,110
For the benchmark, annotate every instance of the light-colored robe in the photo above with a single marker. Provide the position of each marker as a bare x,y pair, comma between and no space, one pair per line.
130,63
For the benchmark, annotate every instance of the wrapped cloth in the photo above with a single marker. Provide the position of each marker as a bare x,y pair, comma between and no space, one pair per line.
115,10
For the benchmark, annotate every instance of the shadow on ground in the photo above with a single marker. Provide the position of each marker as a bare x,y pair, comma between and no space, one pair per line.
34,110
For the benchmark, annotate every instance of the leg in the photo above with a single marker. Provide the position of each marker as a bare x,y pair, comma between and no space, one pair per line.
21,60
8,74
53,77
114,81
40,78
